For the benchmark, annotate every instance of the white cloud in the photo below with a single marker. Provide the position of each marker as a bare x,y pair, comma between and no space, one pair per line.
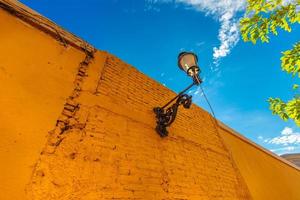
287,137
284,149
287,131
225,12
199,44
149,6
287,142
197,91
260,137
228,36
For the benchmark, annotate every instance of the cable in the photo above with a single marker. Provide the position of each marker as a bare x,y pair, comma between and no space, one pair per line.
214,119
207,101
216,125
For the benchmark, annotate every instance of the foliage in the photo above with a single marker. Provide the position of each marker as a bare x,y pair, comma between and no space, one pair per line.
288,110
290,61
265,17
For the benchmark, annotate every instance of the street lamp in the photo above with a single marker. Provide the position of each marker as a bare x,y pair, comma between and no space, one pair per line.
165,116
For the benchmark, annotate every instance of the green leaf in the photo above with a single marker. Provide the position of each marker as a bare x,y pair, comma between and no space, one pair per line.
268,16
265,17
290,61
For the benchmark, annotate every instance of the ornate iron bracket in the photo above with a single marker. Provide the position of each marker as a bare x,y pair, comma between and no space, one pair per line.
166,116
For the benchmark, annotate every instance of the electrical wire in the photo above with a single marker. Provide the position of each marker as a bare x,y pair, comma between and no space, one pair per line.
207,101
216,125
214,119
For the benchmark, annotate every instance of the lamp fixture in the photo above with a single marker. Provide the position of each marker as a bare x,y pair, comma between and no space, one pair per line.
165,116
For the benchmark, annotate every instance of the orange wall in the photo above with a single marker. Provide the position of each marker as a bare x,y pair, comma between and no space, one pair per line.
266,176
110,150
81,126
36,76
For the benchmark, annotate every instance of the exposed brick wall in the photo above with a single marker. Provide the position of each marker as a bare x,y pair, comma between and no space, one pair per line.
110,149
103,144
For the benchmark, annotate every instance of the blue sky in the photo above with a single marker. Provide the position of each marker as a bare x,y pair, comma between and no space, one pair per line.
238,77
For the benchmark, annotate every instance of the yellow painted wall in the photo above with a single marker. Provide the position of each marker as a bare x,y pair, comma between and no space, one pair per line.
266,176
108,148
36,77
81,126
77,126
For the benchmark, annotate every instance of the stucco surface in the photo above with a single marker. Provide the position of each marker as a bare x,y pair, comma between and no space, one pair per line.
107,148
78,124
36,76
266,176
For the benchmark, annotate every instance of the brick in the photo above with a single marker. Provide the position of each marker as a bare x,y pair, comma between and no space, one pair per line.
116,153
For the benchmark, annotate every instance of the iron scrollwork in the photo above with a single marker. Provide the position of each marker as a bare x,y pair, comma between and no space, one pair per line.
165,117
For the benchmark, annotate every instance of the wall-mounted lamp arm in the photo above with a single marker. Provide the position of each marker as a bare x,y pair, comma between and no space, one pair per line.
183,91
166,116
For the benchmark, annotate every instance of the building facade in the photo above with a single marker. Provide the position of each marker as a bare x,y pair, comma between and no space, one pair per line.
77,123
